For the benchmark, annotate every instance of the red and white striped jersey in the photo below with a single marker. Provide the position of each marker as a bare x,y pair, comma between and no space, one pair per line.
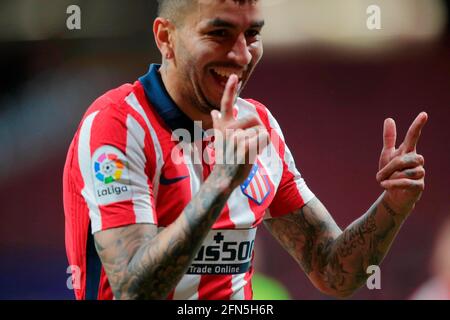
121,170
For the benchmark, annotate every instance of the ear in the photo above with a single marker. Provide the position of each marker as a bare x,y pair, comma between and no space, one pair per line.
162,31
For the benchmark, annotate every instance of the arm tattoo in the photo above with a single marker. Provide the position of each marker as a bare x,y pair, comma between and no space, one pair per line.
355,237
336,261
298,232
141,264
388,209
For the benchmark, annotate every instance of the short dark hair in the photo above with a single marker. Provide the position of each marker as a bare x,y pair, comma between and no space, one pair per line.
174,9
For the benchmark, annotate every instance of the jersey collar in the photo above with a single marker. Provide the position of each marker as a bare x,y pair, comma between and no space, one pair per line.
162,102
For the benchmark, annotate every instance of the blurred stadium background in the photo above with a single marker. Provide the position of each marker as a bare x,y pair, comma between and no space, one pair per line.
328,79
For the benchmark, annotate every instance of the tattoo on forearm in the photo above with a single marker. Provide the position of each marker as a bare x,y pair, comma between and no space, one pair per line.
331,257
388,209
145,265
299,231
356,237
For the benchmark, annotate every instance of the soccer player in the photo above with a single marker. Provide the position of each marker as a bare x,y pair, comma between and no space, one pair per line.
141,223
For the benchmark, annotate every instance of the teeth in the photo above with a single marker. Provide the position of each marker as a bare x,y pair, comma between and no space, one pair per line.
227,73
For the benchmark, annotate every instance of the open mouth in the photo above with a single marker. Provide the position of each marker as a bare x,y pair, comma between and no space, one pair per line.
221,75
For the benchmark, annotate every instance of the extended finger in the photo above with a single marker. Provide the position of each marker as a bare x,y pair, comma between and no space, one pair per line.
413,134
229,95
400,163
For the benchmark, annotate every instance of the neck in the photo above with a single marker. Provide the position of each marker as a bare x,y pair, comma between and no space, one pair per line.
181,99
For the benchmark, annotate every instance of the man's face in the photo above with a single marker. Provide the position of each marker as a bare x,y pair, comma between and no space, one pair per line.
217,39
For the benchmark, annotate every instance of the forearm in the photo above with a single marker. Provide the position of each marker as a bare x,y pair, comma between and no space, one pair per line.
159,263
363,243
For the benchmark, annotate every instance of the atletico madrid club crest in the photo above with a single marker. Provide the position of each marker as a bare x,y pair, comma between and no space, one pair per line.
256,186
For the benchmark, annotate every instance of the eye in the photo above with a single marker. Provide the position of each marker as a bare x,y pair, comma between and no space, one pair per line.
252,33
221,33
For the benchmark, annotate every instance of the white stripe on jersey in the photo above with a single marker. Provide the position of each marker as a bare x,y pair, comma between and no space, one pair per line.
187,288
195,170
238,204
134,103
305,192
238,284
84,162
269,157
136,165
259,182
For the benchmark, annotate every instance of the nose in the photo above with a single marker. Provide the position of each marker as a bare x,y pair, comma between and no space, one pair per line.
239,52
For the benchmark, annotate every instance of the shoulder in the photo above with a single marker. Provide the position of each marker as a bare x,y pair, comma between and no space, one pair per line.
262,111
111,102
113,109
112,117
251,106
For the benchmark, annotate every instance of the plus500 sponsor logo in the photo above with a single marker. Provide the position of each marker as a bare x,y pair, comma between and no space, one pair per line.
226,252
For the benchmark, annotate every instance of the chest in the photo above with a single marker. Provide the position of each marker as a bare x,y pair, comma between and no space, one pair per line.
186,167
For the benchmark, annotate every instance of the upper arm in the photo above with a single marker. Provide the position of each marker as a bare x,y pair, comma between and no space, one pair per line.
307,234
114,158
117,248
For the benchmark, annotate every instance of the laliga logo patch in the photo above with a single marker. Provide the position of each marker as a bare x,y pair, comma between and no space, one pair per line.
108,168
111,176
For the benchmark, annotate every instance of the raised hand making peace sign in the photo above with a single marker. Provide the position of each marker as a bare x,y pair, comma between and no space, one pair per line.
401,170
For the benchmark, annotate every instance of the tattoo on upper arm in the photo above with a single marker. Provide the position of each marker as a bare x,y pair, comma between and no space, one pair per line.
116,248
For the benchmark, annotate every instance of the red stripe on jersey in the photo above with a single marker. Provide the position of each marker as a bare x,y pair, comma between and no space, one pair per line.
248,291
215,287
253,191
117,214
288,197
76,218
166,211
224,220
170,296
260,189
104,290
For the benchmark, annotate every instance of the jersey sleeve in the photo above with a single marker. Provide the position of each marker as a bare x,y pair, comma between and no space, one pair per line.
115,161
292,192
